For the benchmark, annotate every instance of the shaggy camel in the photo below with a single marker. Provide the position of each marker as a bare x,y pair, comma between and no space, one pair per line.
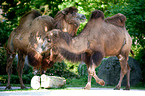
29,38
99,38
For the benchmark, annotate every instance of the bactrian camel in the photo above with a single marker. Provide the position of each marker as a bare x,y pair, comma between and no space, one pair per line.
29,39
99,38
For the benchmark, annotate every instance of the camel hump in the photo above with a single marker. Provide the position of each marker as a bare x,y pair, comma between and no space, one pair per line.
97,14
118,20
29,16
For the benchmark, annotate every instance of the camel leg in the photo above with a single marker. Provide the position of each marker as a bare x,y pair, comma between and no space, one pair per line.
21,60
95,61
128,78
123,64
10,58
92,72
88,85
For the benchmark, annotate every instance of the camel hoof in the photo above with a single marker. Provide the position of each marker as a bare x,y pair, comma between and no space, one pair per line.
102,82
23,87
117,88
127,88
8,87
87,87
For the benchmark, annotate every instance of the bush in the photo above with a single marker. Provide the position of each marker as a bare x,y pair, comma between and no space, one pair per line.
15,78
60,69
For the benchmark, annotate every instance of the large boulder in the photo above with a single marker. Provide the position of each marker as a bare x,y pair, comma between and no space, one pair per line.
110,68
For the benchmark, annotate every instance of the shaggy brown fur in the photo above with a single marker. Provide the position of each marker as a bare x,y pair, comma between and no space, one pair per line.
99,38
29,38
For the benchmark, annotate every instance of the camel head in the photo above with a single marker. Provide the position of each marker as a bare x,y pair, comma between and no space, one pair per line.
68,20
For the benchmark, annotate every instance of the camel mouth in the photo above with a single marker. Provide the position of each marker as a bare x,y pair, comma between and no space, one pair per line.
81,17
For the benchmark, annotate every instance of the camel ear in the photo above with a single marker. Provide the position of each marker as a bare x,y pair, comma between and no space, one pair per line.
63,12
59,15
118,20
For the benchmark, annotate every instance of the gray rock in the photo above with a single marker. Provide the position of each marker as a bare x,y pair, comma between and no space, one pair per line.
110,68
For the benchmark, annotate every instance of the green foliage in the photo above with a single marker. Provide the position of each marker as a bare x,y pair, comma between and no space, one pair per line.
5,29
15,79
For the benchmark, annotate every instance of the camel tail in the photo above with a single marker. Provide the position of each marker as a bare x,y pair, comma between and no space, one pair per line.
73,57
132,53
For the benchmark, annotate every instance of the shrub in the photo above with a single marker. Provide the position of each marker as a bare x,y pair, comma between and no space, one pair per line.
60,69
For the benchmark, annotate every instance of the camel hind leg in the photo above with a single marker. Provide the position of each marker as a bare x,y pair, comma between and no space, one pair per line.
10,58
128,78
125,69
20,66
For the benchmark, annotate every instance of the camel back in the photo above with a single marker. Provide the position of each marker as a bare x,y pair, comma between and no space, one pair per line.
30,16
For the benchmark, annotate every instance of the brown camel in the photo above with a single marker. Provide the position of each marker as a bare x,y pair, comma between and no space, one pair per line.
99,38
29,39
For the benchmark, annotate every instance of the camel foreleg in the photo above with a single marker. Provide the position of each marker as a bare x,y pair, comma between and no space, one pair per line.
10,58
21,60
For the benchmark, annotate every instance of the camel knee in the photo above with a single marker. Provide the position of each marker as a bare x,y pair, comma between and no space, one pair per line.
128,68
91,72
124,71
9,69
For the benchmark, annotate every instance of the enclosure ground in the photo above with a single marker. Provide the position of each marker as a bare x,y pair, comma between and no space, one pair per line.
71,91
